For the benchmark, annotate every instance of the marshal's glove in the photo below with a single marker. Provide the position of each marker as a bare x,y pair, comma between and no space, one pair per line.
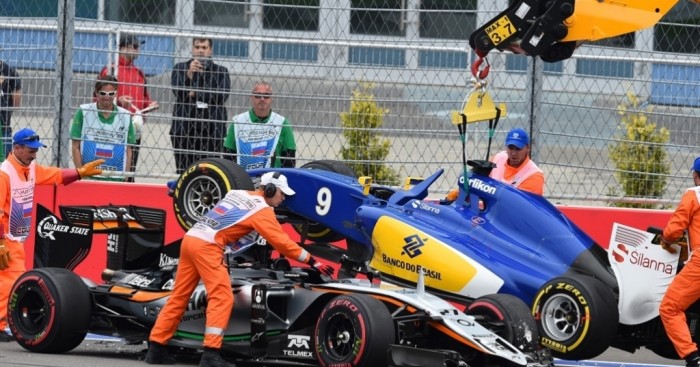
668,246
90,168
4,255
321,267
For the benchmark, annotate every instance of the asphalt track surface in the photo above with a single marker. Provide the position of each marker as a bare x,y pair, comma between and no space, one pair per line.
114,353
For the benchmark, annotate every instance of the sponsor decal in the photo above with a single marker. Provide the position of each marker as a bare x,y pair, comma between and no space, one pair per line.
109,214
49,225
138,280
298,341
196,316
169,285
477,184
466,322
622,253
256,337
414,268
478,220
258,299
413,245
258,314
112,242
166,260
569,288
417,204
298,346
219,210
343,303
551,344
438,261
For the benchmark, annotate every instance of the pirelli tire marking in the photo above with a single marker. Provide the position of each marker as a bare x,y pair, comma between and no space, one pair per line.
34,286
577,316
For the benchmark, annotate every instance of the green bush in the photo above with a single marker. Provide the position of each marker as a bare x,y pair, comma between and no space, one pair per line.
639,154
365,149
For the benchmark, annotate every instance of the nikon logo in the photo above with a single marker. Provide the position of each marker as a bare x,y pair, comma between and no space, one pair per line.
477,184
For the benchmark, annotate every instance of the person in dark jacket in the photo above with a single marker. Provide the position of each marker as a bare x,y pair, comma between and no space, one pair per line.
10,98
201,88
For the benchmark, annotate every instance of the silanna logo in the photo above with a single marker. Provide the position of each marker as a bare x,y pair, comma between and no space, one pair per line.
413,245
624,253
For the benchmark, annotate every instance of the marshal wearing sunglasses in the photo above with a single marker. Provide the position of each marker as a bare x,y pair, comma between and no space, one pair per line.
259,137
103,130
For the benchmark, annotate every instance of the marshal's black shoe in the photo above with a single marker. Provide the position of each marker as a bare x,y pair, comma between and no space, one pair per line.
6,338
158,354
212,358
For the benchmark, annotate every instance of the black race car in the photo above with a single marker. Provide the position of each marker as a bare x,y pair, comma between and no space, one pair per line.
282,314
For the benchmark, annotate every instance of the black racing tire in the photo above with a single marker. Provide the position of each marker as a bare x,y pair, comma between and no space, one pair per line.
509,317
577,316
203,185
317,232
50,310
354,330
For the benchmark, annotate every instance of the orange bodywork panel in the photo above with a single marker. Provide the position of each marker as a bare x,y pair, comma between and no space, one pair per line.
137,295
595,20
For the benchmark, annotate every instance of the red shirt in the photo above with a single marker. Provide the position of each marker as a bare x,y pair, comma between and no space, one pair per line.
132,82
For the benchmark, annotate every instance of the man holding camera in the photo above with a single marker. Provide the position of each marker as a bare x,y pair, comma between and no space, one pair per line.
201,88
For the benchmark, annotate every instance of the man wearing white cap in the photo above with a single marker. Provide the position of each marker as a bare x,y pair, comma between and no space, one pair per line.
232,222
513,165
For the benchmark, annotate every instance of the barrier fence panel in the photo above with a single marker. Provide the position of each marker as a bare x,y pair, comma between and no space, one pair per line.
413,54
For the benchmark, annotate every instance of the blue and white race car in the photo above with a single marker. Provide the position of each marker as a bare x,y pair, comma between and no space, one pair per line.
492,239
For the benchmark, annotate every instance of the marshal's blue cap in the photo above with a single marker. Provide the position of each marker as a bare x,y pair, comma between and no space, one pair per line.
517,137
29,138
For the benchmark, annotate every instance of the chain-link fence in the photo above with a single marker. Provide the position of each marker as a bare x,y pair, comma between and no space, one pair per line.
314,53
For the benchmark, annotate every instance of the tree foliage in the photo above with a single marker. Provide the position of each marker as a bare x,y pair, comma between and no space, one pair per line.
365,150
639,154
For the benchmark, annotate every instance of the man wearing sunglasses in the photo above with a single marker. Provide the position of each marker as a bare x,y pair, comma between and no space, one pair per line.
132,93
259,137
103,130
19,173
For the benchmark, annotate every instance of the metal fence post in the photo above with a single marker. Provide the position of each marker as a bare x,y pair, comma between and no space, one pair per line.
62,87
535,80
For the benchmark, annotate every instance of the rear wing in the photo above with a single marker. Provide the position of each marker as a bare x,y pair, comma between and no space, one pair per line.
135,236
